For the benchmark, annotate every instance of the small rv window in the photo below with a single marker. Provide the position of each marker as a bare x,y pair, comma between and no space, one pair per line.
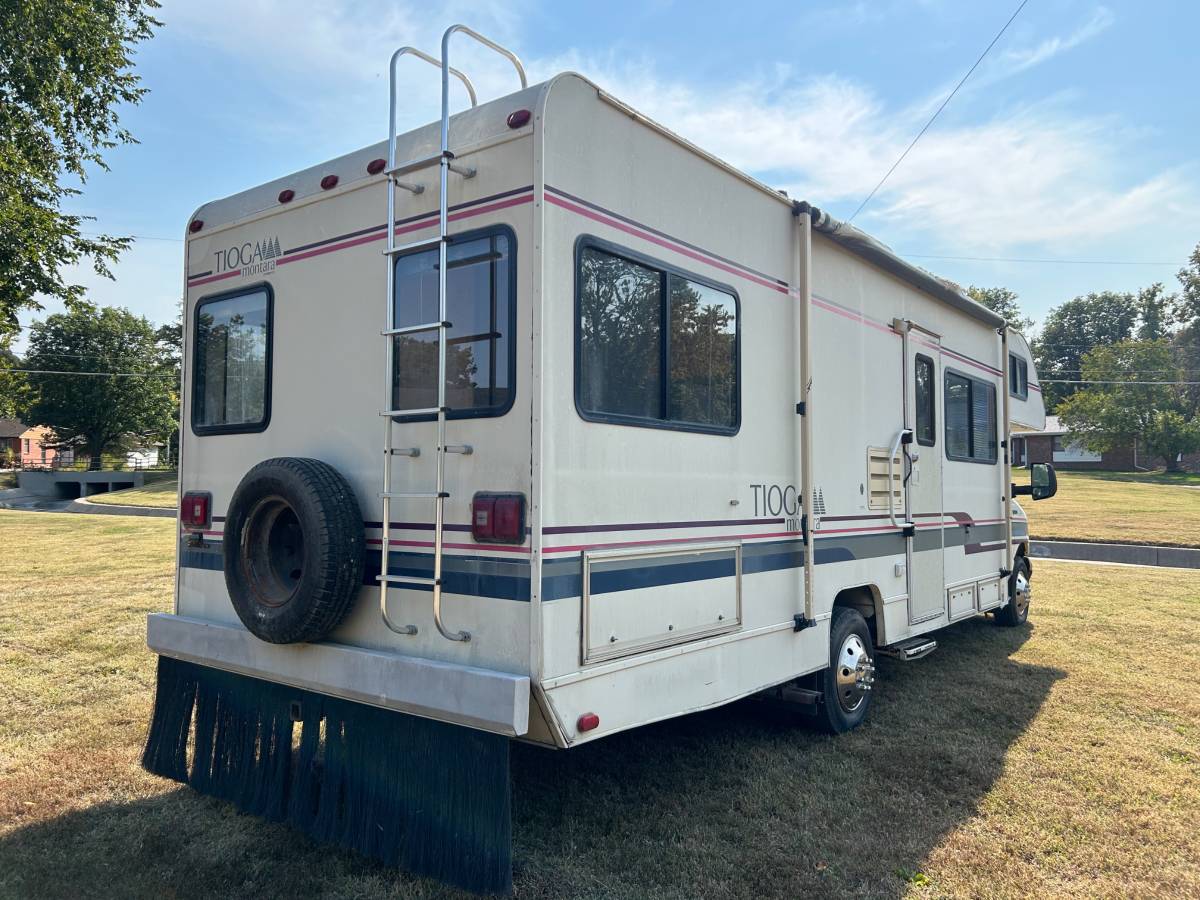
232,362
970,419
480,366
923,378
655,347
1018,377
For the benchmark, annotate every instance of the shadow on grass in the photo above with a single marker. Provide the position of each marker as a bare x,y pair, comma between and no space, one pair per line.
736,802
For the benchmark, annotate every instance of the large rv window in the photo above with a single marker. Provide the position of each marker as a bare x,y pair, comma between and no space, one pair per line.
1018,377
480,365
970,419
923,377
231,363
656,347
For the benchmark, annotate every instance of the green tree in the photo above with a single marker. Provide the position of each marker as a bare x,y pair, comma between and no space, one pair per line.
1071,330
13,385
1187,303
1004,302
1114,411
99,412
65,68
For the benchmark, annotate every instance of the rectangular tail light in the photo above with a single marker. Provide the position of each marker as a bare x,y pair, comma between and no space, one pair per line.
195,511
498,518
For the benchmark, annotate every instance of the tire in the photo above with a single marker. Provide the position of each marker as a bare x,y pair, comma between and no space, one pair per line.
846,684
294,548
1016,611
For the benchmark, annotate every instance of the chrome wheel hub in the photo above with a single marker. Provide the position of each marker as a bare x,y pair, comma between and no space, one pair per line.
854,673
1022,593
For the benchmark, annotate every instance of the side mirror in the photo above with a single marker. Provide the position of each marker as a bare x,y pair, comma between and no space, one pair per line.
1043,482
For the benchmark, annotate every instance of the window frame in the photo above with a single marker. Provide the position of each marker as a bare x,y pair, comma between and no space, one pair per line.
486,412
917,360
972,380
1023,370
665,270
200,429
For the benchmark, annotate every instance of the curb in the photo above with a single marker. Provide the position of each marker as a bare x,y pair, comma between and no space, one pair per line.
113,509
1132,554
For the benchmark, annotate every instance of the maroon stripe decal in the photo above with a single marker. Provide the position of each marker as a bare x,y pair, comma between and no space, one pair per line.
379,232
654,526
663,234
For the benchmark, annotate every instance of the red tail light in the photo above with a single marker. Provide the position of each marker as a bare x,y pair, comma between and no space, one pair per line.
498,518
588,721
195,512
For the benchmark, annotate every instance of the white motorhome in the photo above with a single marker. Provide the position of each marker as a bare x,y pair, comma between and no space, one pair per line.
544,422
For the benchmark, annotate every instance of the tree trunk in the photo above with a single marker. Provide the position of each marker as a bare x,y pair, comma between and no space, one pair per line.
95,449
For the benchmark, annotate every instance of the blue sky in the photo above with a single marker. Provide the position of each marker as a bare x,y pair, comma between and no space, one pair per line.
1076,139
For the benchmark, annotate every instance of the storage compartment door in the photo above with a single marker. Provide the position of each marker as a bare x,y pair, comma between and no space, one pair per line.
640,600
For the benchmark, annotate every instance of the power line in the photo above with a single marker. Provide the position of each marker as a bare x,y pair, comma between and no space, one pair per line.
950,97
1026,259
1072,381
136,237
103,374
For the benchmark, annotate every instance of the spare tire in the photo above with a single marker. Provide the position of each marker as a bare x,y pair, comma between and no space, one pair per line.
294,548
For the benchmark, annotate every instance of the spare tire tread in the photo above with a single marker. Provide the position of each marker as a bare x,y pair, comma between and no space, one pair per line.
334,543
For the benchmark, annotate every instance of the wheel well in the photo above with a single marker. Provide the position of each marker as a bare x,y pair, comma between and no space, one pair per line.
866,599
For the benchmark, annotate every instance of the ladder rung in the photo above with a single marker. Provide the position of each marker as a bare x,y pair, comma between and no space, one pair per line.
425,411
416,329
424,244
413,164
414,495
408,579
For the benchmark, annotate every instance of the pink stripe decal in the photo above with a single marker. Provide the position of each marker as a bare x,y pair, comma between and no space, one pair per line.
500,548
662,242
572,548
423,223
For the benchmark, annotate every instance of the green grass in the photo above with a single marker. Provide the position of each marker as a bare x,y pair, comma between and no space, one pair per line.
1061,759
8,480
160,492
1122,507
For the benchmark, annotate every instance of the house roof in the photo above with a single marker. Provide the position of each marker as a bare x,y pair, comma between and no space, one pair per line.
12,428
1053,427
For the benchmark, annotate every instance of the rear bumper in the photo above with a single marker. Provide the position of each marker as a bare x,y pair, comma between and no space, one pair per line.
463,695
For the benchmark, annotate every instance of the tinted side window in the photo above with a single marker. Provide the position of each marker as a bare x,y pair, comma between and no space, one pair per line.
655,347
703,354
480,308
1018,377
970,419
620,336
924,392
231,363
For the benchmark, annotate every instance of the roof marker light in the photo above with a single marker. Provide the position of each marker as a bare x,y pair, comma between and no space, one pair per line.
195,225
328,182
375,166
519,119
287,195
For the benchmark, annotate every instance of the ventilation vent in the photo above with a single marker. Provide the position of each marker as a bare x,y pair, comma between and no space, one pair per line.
877,480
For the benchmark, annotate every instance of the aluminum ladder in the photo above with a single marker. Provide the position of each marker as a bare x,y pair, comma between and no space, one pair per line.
395,172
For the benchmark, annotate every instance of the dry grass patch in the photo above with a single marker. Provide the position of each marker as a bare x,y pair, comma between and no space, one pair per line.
1062,759
162,494
1120,507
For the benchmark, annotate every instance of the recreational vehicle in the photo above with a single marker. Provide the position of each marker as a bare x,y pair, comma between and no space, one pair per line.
540,422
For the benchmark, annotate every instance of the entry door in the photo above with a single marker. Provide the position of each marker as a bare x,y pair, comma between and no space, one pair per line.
923,468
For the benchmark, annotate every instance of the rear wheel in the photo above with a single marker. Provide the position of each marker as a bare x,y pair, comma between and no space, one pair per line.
1019,595
846,684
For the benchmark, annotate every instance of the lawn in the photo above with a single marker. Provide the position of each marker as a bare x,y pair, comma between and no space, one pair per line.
1061,759
160,492
1123,507
8,480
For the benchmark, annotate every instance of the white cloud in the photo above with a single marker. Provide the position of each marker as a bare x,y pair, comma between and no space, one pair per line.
1033,174
1020,59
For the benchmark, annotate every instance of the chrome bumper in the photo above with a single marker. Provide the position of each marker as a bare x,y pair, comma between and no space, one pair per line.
464,695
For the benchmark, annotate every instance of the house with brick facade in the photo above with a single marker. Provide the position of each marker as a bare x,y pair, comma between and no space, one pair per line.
1055,444
26,446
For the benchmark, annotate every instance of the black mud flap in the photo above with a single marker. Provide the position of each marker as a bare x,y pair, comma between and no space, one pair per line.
432,798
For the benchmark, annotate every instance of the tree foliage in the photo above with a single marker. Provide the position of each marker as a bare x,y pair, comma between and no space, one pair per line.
1114,412
1004,302
1071,330
65,68
98,412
